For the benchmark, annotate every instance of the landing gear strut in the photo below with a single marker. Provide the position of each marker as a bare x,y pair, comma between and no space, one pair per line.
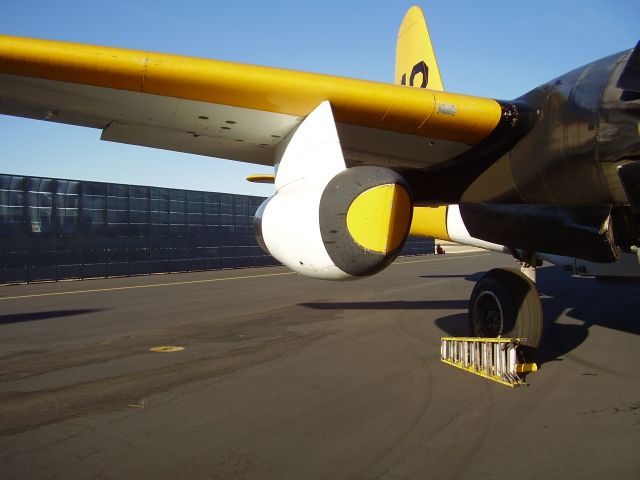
528,264
505,303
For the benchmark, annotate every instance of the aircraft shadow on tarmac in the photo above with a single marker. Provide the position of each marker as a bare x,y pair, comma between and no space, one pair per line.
474,277
571,306
48,315
587,301
578,302
391,305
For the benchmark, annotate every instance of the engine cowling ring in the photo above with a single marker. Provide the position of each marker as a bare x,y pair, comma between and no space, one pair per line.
365,215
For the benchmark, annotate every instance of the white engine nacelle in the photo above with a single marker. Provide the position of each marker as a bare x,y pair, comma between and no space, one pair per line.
353,225
326,220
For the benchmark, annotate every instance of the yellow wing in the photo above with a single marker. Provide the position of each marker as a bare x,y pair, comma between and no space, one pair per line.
232,110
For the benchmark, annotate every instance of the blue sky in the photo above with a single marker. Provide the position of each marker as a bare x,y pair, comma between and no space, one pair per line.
499,49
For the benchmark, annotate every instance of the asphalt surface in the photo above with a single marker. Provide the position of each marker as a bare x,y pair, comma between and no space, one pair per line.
283,377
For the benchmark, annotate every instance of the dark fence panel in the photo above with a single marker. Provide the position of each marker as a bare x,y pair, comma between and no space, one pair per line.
418,246
55,229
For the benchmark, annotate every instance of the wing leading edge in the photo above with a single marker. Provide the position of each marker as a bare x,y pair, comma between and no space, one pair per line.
232,110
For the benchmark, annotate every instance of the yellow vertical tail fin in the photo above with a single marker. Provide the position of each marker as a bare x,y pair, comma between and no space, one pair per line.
416,63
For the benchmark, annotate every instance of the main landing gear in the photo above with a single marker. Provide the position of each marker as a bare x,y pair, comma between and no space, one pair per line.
505,315
505,303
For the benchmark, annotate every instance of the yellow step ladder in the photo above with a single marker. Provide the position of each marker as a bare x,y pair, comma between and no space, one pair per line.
494,358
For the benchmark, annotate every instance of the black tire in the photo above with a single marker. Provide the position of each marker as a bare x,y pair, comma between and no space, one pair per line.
505,303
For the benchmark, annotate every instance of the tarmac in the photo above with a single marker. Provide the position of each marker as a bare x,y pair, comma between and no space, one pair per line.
283,377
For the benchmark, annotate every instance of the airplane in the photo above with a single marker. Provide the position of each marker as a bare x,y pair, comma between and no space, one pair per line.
360,165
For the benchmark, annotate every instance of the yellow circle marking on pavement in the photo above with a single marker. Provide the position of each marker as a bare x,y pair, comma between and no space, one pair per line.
166,348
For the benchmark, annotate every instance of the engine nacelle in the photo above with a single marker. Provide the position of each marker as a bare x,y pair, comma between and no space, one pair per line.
351,226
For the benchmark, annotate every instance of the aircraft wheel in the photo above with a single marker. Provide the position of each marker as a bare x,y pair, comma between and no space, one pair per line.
505,303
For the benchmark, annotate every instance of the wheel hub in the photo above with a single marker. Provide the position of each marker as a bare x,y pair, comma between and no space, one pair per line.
487,316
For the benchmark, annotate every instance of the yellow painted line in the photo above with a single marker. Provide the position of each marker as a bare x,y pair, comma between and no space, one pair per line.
166,349
442,257
131,287
211,280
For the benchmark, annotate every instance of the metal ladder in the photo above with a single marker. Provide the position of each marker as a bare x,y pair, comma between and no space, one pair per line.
492,358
